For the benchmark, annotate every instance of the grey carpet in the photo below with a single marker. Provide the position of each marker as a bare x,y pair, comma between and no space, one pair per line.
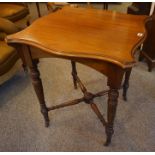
75,128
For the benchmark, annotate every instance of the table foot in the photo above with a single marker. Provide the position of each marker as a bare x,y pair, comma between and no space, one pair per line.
107,143
37,84
44,112
109,132
111,112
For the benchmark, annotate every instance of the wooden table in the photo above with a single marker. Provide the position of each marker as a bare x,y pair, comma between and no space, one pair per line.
103,40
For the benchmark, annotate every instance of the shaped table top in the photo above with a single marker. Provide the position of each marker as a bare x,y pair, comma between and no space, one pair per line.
86,33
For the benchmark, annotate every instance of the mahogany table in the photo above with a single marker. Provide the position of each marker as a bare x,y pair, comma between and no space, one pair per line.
103,40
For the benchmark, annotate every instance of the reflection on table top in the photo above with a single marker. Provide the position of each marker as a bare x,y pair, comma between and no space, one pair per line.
83,32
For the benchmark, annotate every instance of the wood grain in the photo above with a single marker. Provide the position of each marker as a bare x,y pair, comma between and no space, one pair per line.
86,33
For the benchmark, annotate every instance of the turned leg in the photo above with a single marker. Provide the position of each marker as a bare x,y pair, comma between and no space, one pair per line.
111,111
74,73
37,84
126,84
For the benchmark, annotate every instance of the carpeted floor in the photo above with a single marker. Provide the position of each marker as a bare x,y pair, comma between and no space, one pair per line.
75,128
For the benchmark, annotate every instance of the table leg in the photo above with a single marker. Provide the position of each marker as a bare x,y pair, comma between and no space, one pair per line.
112,105
21,55
126,84
37,84
74,73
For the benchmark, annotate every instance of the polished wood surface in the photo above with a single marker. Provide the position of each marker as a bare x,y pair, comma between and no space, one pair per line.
90,33
102,40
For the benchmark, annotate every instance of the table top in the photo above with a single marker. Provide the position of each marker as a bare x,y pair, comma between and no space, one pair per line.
86,33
